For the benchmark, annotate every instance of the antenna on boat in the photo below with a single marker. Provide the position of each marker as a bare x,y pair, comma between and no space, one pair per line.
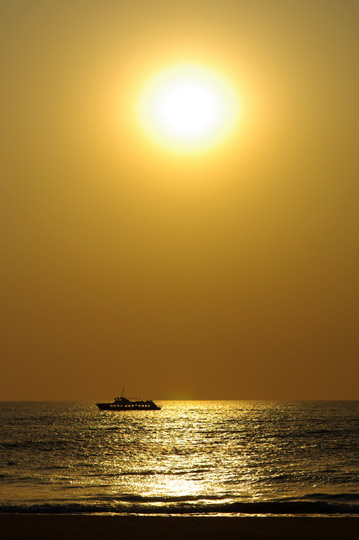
123,389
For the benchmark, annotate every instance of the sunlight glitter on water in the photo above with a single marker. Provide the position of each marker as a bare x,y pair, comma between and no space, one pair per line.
221,457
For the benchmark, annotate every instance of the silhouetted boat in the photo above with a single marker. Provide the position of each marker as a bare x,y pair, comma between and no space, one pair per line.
124,404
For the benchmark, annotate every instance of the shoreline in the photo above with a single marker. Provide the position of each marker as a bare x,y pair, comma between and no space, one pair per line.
93,527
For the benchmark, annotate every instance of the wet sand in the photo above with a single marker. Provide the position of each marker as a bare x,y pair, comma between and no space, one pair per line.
60,527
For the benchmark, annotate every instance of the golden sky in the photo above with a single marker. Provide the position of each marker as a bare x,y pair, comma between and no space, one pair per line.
227,273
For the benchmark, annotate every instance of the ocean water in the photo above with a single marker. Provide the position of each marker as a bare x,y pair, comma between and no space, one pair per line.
195,457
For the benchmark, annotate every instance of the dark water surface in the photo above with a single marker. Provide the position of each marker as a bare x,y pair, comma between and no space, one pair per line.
194,457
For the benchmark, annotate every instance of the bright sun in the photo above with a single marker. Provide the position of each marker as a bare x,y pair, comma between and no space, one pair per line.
188,108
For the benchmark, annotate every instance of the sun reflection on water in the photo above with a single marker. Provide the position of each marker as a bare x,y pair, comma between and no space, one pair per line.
157,456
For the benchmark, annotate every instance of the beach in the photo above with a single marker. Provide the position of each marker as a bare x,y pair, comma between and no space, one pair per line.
59,527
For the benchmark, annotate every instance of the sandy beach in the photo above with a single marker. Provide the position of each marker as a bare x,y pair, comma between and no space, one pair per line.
59,527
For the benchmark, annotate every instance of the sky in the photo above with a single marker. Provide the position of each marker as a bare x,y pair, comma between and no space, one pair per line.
229,273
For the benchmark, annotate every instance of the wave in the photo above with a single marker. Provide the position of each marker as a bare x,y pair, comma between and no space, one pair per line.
138,505
347,497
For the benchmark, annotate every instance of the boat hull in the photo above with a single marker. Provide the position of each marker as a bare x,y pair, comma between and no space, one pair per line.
132,406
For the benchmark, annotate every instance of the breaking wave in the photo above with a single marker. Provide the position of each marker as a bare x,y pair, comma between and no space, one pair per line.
340,505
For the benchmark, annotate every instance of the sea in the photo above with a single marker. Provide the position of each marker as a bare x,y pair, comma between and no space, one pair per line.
215,458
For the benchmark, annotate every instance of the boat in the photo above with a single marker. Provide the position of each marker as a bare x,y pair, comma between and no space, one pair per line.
126,404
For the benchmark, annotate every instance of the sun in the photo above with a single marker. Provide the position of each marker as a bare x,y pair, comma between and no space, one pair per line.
188,108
